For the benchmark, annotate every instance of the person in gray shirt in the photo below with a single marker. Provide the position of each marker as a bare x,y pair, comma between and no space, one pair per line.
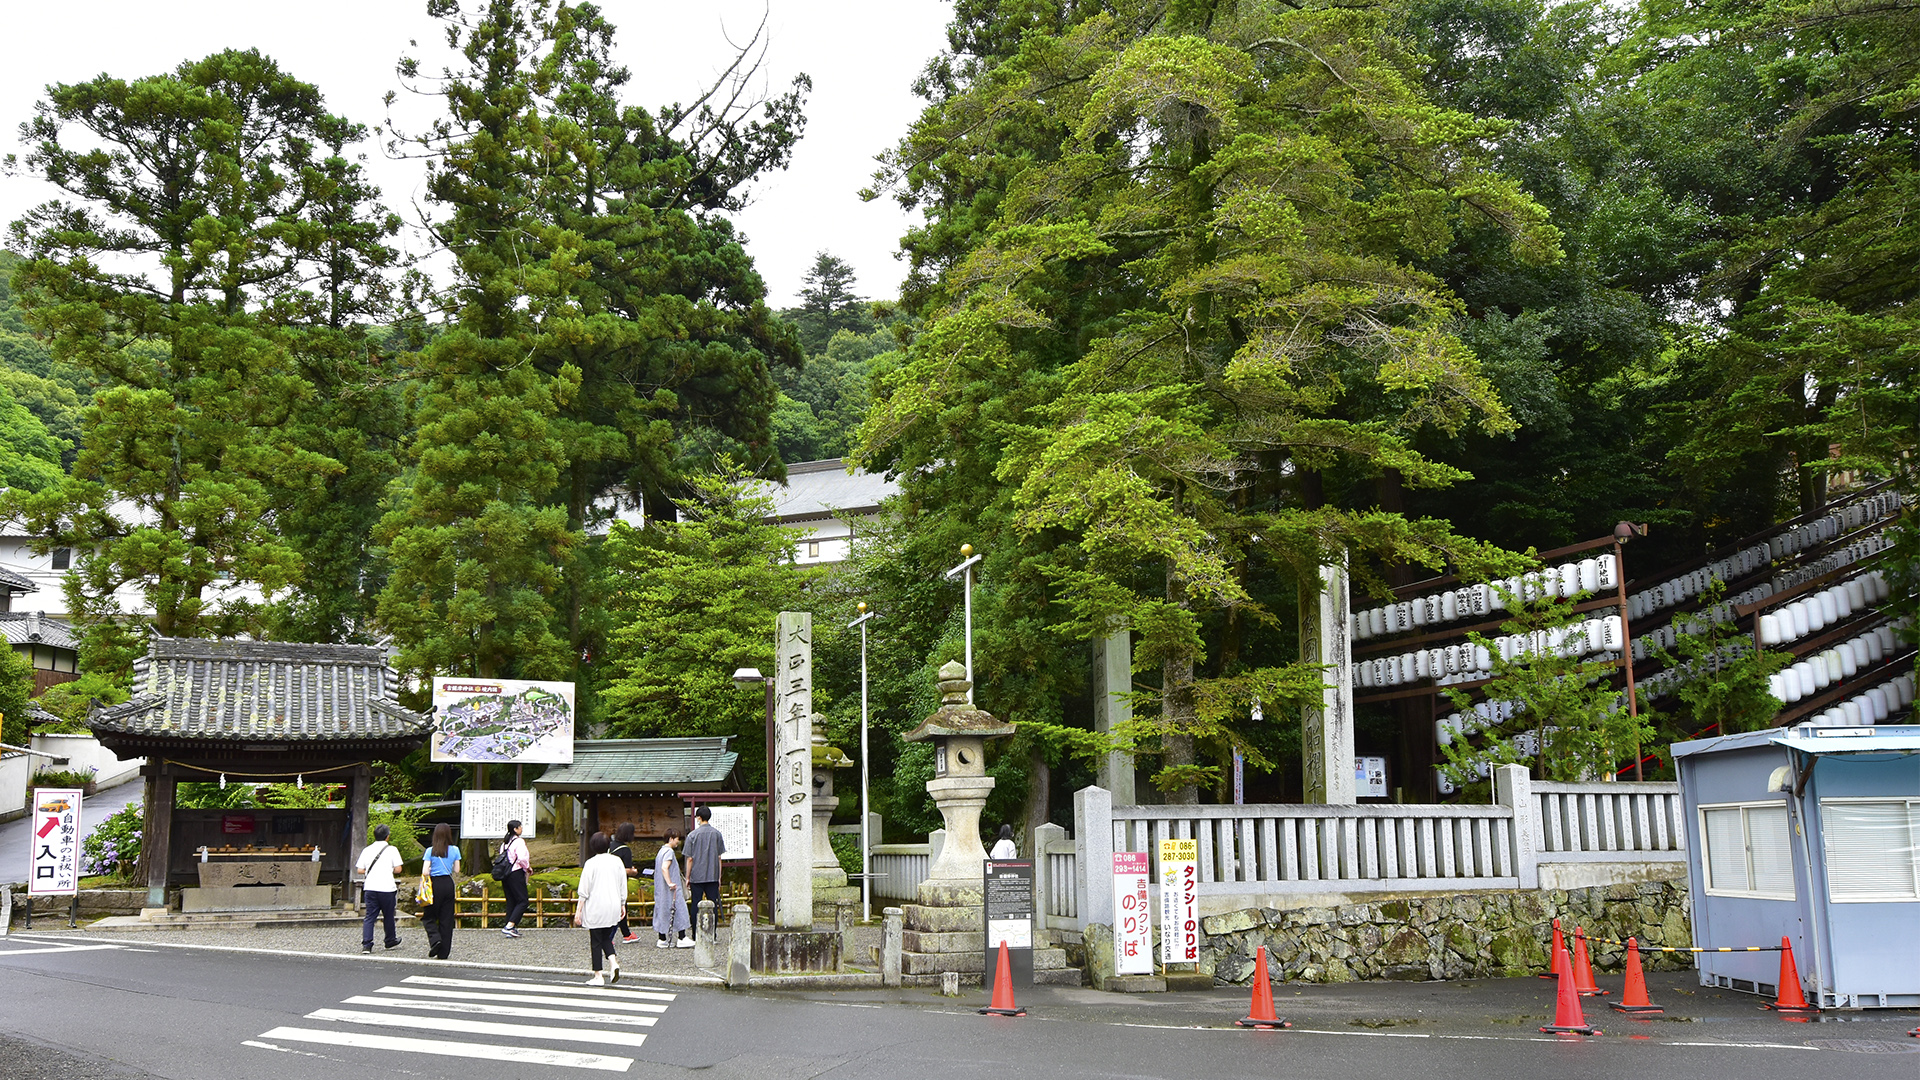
703,848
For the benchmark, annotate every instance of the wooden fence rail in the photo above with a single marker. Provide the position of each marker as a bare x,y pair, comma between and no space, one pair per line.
489,909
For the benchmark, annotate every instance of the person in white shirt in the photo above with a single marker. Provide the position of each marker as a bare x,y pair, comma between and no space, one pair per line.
378,861
1003,847
603,900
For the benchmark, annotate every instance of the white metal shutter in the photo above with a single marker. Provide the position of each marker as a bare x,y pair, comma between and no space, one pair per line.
1871,849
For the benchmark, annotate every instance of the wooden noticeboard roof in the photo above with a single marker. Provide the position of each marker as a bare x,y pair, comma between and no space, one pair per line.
641,766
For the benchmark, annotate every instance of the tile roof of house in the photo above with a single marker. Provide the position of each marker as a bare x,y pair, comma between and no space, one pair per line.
33,628
14,581
658,765
821,489
262,692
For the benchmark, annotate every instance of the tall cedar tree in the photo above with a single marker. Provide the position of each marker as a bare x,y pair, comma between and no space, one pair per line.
611,331
1237,192
206,203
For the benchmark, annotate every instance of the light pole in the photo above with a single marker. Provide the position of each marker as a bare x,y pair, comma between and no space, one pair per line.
744,678
866,845
966,568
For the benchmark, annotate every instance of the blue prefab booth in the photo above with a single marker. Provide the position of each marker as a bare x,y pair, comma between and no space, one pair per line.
1812,834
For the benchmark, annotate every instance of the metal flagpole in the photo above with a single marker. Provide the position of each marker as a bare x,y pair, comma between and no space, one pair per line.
966,568
866,843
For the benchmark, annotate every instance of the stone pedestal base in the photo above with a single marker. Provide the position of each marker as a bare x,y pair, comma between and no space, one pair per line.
257,898
827,900
786,952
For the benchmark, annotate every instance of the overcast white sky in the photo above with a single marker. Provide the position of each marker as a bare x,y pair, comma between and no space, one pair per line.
862,55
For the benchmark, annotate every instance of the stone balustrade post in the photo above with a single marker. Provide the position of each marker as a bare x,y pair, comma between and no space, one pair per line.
1043,883
892,941
1093,855
1513,789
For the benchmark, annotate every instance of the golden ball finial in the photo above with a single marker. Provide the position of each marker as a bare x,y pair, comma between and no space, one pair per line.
966,550
862,607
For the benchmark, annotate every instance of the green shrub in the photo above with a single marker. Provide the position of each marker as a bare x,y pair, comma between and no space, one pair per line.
846,848
113,847
73,778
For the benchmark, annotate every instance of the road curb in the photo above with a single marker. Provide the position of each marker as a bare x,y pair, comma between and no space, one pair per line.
362,958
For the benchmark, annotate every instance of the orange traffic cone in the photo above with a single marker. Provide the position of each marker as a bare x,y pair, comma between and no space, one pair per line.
1788,997
1566,1014
1553,951
1583,983
1634,998
1260,1015
1003,989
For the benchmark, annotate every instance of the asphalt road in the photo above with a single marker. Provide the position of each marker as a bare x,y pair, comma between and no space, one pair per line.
79,1006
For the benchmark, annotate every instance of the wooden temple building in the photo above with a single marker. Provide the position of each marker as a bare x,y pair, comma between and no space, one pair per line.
256,712
641,781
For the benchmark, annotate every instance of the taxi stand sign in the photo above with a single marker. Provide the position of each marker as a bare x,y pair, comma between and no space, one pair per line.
55,839
1179,901
1132,915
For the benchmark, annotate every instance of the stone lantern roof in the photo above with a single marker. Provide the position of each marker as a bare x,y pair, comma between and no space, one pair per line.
955,716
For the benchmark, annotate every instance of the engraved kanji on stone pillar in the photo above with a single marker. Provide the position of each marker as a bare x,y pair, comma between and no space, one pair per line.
792,783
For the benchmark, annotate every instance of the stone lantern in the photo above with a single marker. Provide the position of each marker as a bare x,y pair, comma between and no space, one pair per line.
959,787
830,888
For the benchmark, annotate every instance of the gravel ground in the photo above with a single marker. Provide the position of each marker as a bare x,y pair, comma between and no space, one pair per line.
23,1060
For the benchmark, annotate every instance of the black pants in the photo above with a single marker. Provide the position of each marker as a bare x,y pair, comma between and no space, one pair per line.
439,919
379,904
600,943
516,885
703,890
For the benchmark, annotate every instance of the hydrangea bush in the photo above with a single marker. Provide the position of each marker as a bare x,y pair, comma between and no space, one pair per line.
113,847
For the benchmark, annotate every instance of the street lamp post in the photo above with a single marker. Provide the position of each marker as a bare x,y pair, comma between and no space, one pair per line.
744,678
966,568
866,844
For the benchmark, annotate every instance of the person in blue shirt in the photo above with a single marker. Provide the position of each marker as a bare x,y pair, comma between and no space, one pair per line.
442,862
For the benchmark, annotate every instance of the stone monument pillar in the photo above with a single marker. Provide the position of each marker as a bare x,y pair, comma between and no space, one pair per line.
1326,727
791,785
1112,680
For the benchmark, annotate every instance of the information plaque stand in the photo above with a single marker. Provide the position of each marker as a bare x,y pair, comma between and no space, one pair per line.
1009,918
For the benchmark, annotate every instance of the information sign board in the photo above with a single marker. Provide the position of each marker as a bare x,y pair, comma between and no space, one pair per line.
1009,916
1179,901
1370,777
484,814
1132,915
54,838
736,828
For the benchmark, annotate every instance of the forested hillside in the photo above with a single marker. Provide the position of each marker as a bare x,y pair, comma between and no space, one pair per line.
1205,294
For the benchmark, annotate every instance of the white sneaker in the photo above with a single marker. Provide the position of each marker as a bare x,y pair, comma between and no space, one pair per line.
597,980
613,971
661,944
684,943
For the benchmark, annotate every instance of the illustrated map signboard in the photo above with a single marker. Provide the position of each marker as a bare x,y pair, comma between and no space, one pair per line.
484,814
1179,901
1132,915
55,841
489,720
1009,916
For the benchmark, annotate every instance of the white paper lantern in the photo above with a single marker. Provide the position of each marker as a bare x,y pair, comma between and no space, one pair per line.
1769,630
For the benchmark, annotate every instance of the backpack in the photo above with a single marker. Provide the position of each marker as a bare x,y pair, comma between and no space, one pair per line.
502,865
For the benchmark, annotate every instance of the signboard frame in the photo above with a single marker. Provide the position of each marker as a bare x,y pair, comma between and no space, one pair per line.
553,747
1007,913
55,829
1179,901
478,819
1132,915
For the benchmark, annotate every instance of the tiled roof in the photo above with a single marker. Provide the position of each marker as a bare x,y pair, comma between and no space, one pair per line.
33,628
663,765
14,581
262,692
817,489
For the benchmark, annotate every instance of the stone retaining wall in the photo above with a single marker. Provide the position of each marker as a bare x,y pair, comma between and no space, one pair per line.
1481,935
94,903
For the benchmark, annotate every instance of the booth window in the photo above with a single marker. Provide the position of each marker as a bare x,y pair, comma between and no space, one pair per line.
62,558
1749,850
1873,849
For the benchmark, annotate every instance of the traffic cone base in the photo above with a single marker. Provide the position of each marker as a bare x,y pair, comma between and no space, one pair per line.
1633,998
1583,982
1553,953
1567,1019
1002,1004
1787,997
1260,1013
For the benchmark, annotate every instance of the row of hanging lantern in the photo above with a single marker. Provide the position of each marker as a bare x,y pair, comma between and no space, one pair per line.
1840,558
1665,681
1837,664
1479,601
1871,707
1856,515
1816,611
1466,660
1524,744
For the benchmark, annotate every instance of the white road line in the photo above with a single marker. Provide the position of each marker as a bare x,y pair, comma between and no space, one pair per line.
567,1059
536,999
543,988
477,1009
479,1027
57,949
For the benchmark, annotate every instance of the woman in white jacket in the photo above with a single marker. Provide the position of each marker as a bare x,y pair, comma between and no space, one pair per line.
603,899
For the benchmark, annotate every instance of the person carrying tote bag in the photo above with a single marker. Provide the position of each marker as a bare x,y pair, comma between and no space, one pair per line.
603,901
442,861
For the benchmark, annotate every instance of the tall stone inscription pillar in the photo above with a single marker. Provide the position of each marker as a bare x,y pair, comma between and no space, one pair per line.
1326,728
792,782
1112,681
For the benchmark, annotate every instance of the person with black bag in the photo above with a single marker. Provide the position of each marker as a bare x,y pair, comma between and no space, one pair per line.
510,869
623,850
441,863
380,893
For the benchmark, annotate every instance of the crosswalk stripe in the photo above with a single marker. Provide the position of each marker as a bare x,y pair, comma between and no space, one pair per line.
531,1055
543,988
536,999
478,1009
480,1027
57,949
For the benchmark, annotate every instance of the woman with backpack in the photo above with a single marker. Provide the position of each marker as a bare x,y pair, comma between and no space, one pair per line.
511,866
